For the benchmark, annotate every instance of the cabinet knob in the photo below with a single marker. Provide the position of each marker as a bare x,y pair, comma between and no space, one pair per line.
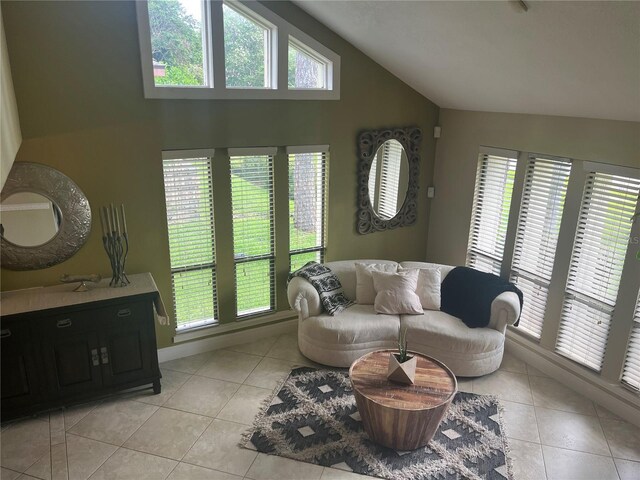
95,359
105,355
64,323
5,333
125,312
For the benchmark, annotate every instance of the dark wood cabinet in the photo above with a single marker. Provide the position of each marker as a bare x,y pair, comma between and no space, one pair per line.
69,354
72,364
21,381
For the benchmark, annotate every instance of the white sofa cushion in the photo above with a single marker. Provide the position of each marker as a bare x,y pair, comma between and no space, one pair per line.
365,288
358,324
444,269
397,292
428,288
346,273
446,332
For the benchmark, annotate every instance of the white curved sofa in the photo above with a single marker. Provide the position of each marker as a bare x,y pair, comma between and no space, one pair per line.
339,340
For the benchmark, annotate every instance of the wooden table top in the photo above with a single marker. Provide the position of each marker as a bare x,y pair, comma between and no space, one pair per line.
434,382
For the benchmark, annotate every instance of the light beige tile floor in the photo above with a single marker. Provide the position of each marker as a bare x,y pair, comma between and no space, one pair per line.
192,429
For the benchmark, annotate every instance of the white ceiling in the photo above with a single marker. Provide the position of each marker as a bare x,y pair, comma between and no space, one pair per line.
579,59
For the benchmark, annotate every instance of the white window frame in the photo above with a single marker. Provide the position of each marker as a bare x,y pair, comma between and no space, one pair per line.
473,249
327,79
323,150
271,49
214,58
519,267
573,295
272,255
207,153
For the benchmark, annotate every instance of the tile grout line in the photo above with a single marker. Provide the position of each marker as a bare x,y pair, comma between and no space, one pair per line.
244,475
192,413
196,441
172,470
170,396
615,465
66,446
249,469
118,447
39,458
141,425
105,460
535,415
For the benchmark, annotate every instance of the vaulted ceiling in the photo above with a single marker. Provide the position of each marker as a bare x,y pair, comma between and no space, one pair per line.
579,59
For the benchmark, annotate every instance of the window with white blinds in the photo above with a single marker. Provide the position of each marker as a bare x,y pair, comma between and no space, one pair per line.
490,215
599,250
631,371
543,199
253,238
391,160
307,187
189,203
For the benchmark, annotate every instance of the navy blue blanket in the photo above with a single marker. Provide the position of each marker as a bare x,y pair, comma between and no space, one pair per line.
467,294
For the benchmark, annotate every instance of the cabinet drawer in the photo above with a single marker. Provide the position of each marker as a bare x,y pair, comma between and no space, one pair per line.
69,323
13,332
125,313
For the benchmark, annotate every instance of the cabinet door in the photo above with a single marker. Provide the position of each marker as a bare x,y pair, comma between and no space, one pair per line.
21,383
128,350
71,351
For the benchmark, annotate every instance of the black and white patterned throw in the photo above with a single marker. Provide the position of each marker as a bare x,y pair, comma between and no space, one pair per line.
313,418
326,284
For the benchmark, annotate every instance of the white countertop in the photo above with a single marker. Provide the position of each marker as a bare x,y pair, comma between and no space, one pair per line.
44,298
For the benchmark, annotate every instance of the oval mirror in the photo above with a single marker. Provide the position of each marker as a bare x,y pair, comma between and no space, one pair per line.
28,219
44,217
388,179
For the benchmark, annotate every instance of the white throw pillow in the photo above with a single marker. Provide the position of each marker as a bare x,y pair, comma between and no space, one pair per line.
428,289
365,291
397,293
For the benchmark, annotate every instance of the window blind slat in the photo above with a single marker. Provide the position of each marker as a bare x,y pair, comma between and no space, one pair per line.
307,187
253,237
631,370
189,206
599,250
390,159
490,214
541,210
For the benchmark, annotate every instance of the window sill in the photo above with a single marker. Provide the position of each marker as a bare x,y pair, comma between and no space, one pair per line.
240,324
207,93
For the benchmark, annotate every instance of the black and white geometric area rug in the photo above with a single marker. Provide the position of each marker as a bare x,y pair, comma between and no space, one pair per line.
313,418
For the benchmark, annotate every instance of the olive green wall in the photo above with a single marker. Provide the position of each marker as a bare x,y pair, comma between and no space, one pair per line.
76,69
463,132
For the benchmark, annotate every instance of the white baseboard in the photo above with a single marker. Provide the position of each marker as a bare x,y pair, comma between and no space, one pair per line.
227,339
613,397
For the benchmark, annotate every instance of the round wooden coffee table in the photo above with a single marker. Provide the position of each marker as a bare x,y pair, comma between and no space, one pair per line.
402,417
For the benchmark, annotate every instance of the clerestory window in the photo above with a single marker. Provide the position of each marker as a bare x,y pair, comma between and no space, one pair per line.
230,50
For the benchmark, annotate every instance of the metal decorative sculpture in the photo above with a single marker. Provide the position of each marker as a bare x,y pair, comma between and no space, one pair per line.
115,239
368,143
75,217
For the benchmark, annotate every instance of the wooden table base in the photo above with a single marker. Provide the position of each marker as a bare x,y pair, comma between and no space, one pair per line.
399,429
402,417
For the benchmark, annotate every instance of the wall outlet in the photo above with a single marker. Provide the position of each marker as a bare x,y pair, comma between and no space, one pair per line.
431,192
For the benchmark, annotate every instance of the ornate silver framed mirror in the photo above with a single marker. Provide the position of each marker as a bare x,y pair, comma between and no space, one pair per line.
44,217
388,178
